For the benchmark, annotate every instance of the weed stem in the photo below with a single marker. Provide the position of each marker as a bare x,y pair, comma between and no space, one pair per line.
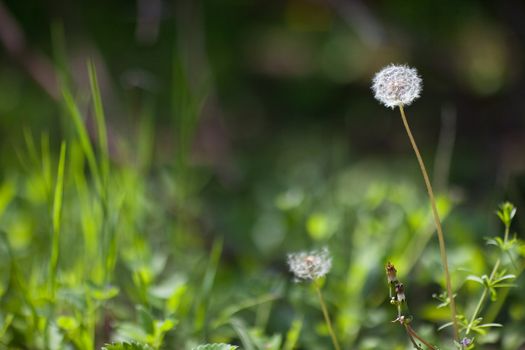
413,333
437,221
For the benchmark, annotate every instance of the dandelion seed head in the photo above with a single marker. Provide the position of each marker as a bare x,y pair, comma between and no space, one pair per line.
396,85
310,265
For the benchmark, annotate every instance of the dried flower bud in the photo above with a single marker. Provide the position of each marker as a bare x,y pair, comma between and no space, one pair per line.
400,292
396,85
403,319
310,265
391,273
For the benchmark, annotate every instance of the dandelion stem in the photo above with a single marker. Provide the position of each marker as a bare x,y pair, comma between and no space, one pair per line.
326,315
437,221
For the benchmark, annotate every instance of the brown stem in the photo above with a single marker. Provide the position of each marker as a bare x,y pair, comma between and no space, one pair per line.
413,333
412,340
437,221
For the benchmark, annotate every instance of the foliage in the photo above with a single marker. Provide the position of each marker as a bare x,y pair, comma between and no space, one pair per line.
126,346
115,229
215,347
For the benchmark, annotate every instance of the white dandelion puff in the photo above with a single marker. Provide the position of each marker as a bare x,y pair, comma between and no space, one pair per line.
310,265
396,85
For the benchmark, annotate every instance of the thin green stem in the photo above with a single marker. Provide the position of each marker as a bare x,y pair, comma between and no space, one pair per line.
326,316
482,298
476,311
437,221
56,220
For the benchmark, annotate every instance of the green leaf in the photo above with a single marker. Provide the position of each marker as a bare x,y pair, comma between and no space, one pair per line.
489,325
293,334
231,310
215,347
67,323
443,326
146,320
102,293
506,277
241,330
475,279
127,346
6,322
506,213
165,325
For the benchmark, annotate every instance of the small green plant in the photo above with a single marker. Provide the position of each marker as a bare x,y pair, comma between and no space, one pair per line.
126,346
215,347
498,279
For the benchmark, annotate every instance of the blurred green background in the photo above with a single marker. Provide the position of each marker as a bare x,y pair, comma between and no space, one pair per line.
239,131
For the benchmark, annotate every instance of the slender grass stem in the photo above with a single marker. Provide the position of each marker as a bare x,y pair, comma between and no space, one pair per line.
56,219
437,221
326,316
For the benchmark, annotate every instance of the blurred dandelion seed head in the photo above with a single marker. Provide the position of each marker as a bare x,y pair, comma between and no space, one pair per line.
310,265
396,85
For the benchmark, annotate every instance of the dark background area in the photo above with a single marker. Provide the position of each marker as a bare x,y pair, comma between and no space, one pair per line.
269,69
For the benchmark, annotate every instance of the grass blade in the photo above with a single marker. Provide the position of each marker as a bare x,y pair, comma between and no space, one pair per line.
293,334
57,214
99,118
207,284
74,113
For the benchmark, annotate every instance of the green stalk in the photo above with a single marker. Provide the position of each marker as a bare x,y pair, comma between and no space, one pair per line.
326,316
83,137
57,213
439,230
100,120
481,299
